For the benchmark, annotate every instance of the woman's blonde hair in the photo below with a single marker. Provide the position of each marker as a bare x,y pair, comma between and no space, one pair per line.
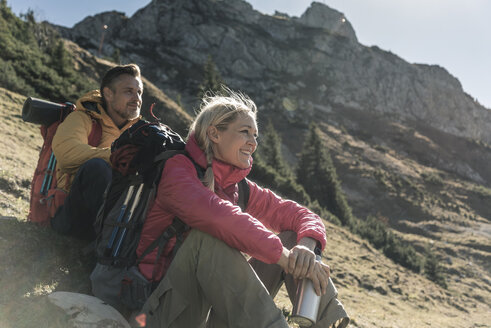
219,111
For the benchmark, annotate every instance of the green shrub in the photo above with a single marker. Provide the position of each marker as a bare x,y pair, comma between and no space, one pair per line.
378,234
372,230
433,269
402,253
432,178
11,81
28,68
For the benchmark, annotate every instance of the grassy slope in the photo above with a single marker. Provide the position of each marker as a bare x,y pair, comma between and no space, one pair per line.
404,176
35,261
20,145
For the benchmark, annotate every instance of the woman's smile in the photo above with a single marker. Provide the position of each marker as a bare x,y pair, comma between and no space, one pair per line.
237,143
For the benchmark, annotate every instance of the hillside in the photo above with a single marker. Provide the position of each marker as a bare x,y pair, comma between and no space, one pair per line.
410,148
376,292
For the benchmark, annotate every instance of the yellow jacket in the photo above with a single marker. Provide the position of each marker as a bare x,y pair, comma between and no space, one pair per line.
70,142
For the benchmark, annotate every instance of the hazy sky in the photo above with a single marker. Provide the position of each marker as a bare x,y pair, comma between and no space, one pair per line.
455,34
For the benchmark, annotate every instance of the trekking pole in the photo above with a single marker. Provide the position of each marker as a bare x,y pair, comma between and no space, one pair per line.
44,189
120,217
52,170
132,209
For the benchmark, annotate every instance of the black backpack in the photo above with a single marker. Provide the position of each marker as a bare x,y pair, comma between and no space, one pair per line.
138,157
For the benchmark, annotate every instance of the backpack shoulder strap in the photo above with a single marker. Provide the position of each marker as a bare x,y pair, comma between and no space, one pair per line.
95,135
177,227
244,193
164,156
199,170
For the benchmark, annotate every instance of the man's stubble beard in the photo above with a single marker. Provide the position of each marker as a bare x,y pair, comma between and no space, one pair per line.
127,113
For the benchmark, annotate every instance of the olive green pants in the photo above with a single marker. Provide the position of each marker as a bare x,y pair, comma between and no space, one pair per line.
206,273
331,311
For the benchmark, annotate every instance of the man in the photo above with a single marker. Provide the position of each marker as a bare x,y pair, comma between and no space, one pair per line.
83,171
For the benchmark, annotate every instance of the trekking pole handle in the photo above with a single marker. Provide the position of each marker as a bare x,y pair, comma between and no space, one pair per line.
135,203
120,216
130,214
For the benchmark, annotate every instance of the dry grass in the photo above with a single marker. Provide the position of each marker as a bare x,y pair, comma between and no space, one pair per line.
21,143
34,260
379,293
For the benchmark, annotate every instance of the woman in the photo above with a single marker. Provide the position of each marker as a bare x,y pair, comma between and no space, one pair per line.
209,271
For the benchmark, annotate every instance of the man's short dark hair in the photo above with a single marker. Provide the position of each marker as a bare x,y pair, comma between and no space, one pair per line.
114,73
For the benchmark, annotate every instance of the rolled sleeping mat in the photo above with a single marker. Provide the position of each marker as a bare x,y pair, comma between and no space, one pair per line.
44,112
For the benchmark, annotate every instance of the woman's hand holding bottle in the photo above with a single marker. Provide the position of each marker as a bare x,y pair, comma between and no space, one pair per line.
300,262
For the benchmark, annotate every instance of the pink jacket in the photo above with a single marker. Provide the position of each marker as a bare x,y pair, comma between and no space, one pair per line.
181,193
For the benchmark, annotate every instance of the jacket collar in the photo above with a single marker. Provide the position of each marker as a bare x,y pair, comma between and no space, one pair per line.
225,174
91,103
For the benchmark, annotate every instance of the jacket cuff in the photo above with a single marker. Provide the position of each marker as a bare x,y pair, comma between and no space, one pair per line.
320,238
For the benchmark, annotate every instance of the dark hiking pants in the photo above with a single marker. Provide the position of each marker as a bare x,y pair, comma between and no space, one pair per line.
77,215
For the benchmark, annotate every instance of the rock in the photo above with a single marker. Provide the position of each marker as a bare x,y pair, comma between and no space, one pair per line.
396,290
381,290
367,285
89,31
10,218
88,311
321,16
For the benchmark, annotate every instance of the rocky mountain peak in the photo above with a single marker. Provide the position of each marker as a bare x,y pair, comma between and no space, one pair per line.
320,15
314,62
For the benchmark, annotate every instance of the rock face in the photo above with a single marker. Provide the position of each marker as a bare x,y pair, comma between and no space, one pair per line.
300,64
321,16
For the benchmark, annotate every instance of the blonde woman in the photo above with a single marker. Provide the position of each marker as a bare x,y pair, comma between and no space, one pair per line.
209,271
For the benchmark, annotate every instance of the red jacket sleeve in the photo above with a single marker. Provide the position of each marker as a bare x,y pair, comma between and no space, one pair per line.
183,194
279,214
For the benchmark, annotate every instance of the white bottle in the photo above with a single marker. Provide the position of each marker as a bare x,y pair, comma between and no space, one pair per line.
307,302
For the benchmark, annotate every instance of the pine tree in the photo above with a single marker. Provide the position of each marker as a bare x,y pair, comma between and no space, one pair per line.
434,270
270,150
60,60
212,81
317,174
29,17
116,56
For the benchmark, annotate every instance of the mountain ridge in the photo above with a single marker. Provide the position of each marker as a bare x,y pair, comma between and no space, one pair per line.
323,62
